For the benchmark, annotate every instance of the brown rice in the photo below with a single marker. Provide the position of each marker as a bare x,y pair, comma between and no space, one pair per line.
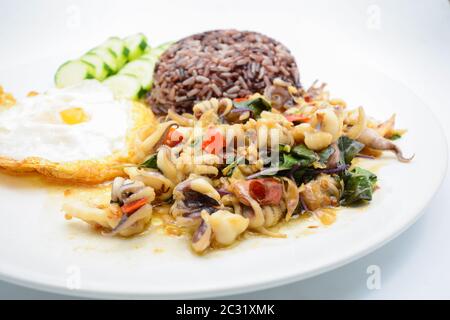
220,63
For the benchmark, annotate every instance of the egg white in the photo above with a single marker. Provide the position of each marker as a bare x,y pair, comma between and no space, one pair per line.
34,137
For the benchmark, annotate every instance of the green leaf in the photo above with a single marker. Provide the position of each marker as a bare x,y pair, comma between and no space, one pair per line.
303,152
359,185
325,154
150,162
300,155
228,170
395,136
288,161
348,148
257,106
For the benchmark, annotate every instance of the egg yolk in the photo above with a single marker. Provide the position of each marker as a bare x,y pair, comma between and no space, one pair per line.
32,94
73,116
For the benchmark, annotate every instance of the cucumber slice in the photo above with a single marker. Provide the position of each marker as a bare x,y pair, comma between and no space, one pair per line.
142,69
101,70
117,46
124,86
73,72
108,57
136,45
148,57
159,50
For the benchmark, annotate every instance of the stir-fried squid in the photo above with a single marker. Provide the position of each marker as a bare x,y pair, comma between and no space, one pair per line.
246,165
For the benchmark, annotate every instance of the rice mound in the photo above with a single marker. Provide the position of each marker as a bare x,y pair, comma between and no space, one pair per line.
219,63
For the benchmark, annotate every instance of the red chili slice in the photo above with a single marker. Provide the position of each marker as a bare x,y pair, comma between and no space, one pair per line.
173,137
266,191
134,206
297,118
214,141
240,99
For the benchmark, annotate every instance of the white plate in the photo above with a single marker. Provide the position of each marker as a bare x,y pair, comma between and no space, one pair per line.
41,250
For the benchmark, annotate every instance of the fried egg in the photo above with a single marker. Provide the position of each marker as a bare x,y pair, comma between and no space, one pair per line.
78,134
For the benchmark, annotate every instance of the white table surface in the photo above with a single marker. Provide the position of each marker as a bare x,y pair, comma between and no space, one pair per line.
407,40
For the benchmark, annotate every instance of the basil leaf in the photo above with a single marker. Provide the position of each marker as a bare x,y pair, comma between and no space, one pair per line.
257,106
229,169
299,156
359,185
325,154
303,152
348,148
395,136
288,161
150,162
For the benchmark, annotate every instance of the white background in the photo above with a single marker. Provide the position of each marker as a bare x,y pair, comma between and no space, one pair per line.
407,40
